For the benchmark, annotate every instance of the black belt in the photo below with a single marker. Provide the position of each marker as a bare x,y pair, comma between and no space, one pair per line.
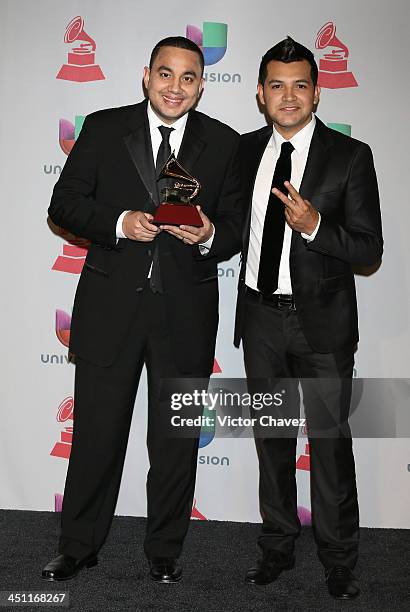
277,300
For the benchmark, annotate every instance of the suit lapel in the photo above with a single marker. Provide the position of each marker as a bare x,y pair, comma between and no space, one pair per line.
138,143
193,142
317,159
315,166
251,160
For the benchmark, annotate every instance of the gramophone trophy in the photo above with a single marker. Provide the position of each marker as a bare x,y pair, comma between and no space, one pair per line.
333,72
176,207
81,66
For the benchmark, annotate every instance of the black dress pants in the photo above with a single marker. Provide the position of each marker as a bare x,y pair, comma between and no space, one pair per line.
104,401
275,347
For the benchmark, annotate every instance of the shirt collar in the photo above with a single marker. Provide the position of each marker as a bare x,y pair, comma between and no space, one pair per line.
155,121
301,140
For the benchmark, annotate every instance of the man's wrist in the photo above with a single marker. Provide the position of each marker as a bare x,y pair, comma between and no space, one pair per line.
118,229
310,237
208,242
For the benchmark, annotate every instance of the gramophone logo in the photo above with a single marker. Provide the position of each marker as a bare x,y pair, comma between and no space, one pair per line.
196,514
72,259
212,40
333,72
74,253
303,462
69,132
65,412
81,66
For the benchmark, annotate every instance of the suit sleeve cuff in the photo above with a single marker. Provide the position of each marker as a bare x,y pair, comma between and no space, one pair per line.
205,246
312,236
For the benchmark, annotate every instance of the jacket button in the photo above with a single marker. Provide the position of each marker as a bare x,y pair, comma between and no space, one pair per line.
149,253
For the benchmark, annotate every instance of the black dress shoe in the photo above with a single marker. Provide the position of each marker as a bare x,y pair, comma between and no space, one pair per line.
269,568
165,569
341,583
65,567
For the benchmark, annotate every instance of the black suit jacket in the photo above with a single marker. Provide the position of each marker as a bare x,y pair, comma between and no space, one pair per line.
111,169
340,182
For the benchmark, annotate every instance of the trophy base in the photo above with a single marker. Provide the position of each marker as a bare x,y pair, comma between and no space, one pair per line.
177,214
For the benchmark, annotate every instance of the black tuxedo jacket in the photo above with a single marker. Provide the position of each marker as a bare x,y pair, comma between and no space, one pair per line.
340,182
111,169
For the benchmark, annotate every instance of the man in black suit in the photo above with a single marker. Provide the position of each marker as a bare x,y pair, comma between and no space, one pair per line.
147,294
313,211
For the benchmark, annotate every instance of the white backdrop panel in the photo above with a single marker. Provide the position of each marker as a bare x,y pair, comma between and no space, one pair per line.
36,377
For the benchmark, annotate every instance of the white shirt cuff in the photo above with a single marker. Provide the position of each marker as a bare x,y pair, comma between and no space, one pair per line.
118,230
312,236
205,246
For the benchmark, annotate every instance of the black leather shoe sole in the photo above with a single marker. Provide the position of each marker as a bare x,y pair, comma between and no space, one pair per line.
345,596
170,580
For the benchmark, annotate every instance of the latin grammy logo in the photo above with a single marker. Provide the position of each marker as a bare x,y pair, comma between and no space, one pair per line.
196,514
81,66
74,253
65,412
303,463
72,260
333,72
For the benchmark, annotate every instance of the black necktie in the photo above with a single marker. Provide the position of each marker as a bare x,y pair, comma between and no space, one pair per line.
164,152
274,226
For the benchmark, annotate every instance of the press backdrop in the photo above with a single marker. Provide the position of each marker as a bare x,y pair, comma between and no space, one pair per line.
365,91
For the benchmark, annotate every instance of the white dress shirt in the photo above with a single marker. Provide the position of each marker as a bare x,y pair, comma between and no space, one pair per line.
301,142
175,141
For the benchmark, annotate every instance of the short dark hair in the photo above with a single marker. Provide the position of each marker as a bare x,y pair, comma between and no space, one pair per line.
179,42
288,50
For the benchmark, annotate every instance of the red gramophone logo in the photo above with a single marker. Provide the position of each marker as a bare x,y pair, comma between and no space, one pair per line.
74,253
196,514
72,260
81,66
303,462
333,72
65,412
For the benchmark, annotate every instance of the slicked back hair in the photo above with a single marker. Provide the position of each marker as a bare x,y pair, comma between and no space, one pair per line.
287,51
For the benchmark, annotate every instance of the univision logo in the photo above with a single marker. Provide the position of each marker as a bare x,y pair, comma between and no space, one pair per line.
343,128
62,327
69,132
212,39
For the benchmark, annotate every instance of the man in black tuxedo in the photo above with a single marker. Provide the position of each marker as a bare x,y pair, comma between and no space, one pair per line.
147,294
313,211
